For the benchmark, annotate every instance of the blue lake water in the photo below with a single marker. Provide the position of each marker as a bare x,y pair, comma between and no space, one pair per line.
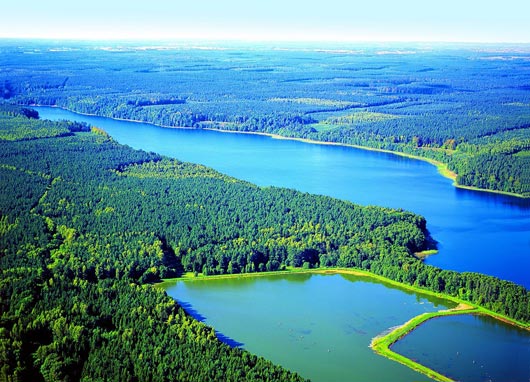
476,231
470,348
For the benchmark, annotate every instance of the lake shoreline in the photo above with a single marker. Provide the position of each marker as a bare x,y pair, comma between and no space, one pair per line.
380,344
441,167
355,272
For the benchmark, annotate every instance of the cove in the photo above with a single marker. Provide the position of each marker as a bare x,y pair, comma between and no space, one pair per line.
319,325
476,231
470,348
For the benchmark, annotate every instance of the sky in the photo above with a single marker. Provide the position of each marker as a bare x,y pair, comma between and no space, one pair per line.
270,20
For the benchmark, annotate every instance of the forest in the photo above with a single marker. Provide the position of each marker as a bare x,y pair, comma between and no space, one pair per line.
463,105
87,225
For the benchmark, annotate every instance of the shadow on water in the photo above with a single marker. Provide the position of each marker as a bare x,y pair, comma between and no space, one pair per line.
493,198
227,340
189,309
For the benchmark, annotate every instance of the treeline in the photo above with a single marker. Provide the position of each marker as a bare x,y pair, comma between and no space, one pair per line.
502,164
86,224
503,168
179,113
23,124
490,292
56,328
505,172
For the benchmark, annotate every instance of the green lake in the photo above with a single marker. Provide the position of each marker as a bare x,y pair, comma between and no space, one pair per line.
319,325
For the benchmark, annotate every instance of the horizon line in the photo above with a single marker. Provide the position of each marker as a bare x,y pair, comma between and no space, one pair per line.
174,39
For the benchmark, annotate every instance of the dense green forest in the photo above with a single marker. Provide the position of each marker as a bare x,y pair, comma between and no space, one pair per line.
73,302
466,106
87,224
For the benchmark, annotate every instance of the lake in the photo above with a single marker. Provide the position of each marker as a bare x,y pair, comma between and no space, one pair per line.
325,326
477,231
470,348
327,322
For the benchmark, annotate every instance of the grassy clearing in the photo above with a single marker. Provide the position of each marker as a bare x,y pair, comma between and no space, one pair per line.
426,253
316,102
360,117
518,104
525,153
322,126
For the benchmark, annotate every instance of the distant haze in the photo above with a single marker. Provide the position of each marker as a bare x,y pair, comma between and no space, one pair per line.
270,20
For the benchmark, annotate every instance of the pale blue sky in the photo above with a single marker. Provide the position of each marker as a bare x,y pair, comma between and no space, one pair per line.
290,20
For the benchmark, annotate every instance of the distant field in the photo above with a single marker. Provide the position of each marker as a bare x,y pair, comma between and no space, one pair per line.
360,117
316,102
525,153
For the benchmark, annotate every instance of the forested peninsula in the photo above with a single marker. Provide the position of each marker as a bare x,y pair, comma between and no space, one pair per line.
87,225
465,106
